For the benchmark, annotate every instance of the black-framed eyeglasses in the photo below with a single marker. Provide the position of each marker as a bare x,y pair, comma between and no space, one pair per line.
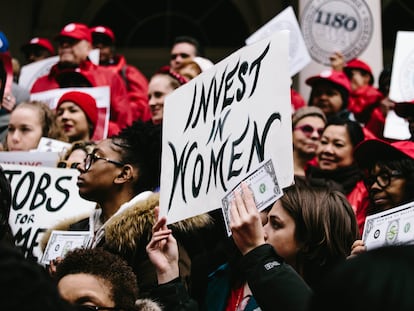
308,129
94,308
65,164
91,158
383,179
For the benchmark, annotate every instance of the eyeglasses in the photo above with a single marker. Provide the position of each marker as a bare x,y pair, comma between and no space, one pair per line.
91,158
64,164
94,308
182,55
383,179
308,130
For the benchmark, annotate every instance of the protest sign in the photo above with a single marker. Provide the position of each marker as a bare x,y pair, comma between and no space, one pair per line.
101,95
41,198
352,27
402,83
391,227
286,20
36,158
219,127
31,72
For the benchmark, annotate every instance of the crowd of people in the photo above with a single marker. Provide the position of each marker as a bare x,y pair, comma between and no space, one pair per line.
303,252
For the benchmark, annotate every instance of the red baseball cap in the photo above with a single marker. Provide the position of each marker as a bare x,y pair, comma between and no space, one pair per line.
336,77
76,31
372,150
404,109
41,42
104,32
359,64
85,101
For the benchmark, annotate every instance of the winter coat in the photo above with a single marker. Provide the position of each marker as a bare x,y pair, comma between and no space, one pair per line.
128,234
120,110
137,87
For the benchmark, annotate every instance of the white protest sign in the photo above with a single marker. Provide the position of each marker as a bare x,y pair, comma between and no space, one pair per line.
31,72
101,95
402,83
219,127
396,127
391,227
37,158
41,198
352,27
286,20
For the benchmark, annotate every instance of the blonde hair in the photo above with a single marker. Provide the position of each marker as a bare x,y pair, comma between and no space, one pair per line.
47,117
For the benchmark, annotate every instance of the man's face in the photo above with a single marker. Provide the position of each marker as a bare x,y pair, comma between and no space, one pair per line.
180,53
73,51
105,53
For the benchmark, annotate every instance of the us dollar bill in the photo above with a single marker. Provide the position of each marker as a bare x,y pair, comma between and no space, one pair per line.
391,227
262,183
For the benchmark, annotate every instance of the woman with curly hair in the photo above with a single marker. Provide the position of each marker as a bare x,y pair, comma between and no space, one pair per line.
29,122
121,175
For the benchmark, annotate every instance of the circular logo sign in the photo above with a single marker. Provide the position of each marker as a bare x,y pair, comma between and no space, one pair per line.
336,25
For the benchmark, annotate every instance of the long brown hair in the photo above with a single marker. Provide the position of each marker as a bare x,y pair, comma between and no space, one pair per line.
326,228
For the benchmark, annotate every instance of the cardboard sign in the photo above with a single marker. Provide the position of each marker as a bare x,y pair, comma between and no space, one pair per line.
36,158
286,20
219,127
402,83
41,198
31,72
101,95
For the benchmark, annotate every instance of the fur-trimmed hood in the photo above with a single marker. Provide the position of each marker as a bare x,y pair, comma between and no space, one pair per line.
125,231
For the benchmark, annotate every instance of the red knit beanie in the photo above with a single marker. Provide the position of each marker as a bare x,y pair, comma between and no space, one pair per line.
85,101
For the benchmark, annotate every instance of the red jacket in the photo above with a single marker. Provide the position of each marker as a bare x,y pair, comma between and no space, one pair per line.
359,199
120,110
364,103
137,87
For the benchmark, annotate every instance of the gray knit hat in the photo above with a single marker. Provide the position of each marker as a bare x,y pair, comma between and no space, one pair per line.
306,112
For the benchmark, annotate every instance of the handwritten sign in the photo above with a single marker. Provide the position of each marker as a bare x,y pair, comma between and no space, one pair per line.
41,198
219,127
101,95
286,20
37,158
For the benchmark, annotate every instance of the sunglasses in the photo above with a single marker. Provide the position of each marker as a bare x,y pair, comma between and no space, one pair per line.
182,55
308,130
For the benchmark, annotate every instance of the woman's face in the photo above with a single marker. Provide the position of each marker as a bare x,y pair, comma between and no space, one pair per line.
158,88
24,130
306,135
280,233
73,121
86,289
335,148
393,194
326,97
98,181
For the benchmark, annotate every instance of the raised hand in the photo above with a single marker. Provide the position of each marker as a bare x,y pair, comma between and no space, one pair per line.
162,250
245,221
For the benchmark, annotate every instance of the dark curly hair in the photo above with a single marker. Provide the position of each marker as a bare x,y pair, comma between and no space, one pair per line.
104,265
140,145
